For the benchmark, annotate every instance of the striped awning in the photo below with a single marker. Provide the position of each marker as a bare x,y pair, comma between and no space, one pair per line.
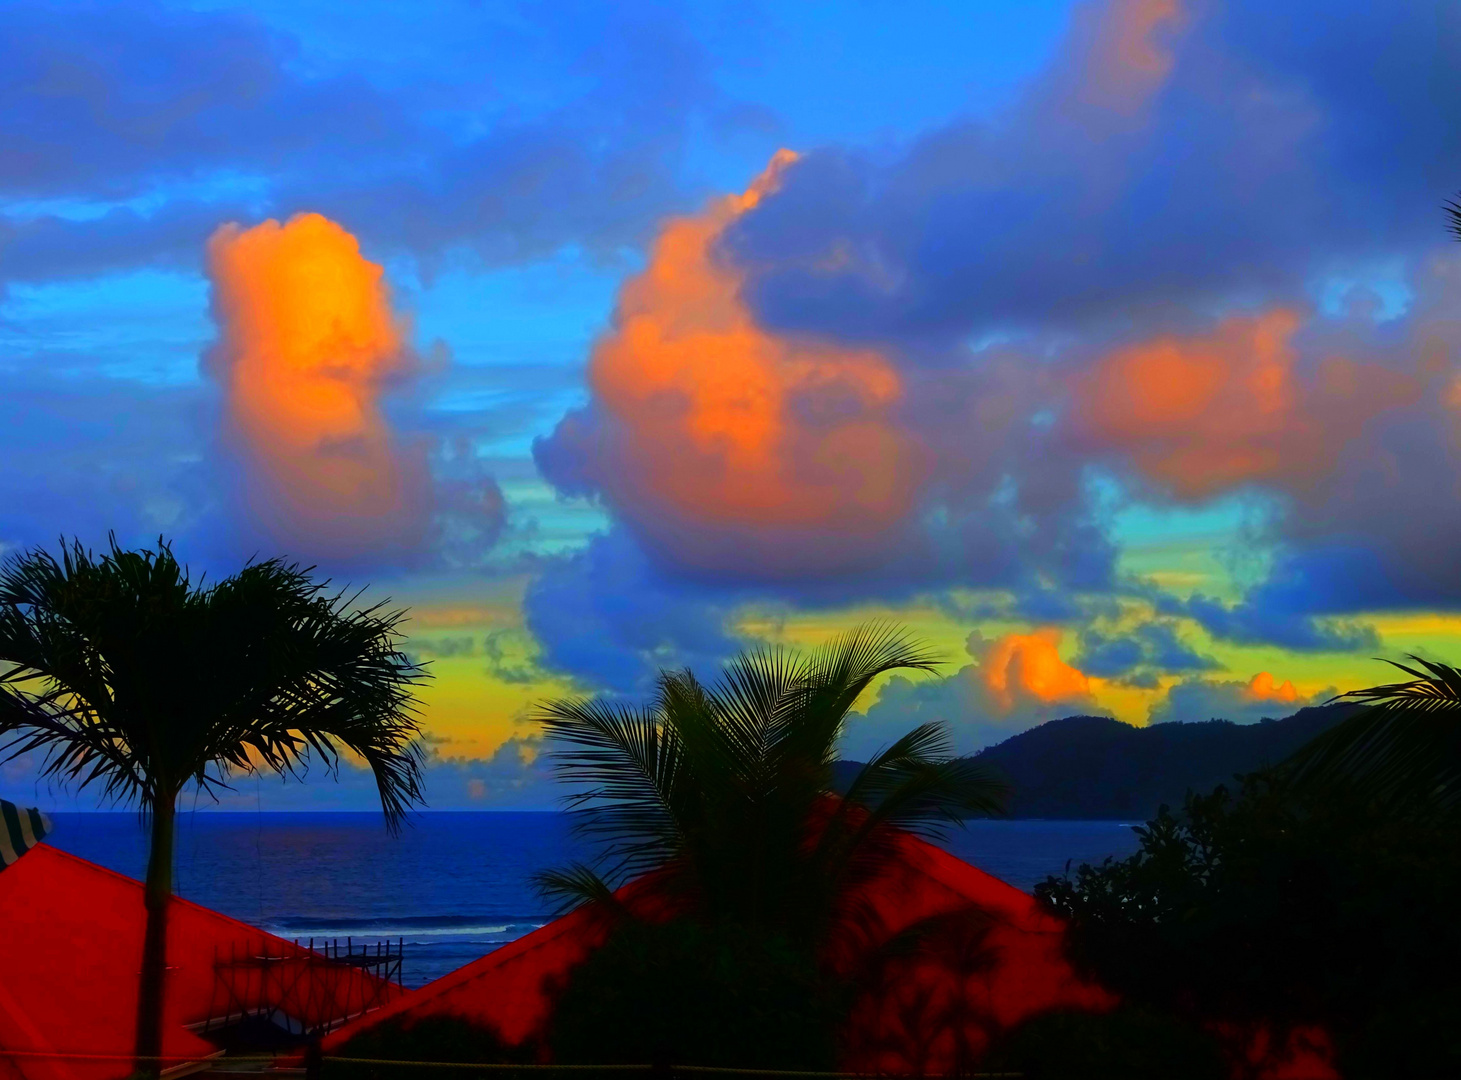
20,830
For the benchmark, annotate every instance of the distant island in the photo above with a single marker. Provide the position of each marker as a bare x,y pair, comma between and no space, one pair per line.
1094,767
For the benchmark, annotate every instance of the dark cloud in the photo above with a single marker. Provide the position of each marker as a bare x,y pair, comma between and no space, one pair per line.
1196,700
516,776
503,665
153,479
1272,148
166,122
1176,162
610,616
1139,656
460,645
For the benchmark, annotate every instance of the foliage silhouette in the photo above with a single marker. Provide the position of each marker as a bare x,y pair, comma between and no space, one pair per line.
1402,750
719,800
127,675
1284,907
687,993
724,790
1126,1044
438,1038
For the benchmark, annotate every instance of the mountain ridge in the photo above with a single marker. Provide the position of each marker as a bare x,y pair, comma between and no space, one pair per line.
1099,768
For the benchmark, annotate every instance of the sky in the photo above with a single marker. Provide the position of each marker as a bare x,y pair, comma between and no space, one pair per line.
1111,348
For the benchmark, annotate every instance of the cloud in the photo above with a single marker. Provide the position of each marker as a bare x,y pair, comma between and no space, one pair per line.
151,480
309,347
517,776
1249,164
132,129
1205,413
612,617
1015,682
1132,273
444,647
1262,696
1020,670
744,461
1043,293
721,443
1138,657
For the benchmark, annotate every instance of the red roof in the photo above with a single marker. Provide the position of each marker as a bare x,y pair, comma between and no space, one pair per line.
69,964
929,1012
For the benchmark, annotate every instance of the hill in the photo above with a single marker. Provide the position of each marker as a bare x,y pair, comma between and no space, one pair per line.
1096,767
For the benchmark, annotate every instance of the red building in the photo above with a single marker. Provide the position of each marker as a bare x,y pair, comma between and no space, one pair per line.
994,958
70,949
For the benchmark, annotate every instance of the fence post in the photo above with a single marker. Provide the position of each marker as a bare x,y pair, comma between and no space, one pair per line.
313,1059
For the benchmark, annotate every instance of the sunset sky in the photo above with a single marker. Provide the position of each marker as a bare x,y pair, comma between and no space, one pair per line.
1112,348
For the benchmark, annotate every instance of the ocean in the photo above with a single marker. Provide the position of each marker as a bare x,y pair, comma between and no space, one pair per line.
454,886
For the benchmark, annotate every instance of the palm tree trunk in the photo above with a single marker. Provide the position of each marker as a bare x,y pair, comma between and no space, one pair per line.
156,897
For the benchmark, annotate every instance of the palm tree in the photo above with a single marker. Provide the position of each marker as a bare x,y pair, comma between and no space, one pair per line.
1402,750
725,790
1453,211
124,673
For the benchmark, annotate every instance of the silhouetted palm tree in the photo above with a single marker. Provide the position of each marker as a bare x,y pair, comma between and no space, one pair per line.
1453,211
1403,750
726,788
126,674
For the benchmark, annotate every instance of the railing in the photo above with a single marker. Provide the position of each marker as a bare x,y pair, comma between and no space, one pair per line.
305,990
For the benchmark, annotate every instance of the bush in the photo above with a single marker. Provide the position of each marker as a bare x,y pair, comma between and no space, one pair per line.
691,994
1127,1044
431,1038
1267,906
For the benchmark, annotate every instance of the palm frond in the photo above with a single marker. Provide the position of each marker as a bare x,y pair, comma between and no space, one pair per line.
575,886
135,677
1453,211
1403,747
838,674
625,767
726,788
752,700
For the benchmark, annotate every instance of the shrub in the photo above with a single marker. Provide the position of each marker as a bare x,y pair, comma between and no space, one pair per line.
1284,908
430,1038
694,994
1127,1044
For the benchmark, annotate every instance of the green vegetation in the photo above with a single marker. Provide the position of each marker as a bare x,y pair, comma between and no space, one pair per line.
126,674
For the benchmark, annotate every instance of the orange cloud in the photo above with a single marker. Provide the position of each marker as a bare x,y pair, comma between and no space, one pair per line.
1263,687
1024,669
1127,61
1206,412
715,423
307,345
1200,413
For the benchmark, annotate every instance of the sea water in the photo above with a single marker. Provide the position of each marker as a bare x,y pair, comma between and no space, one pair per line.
452,886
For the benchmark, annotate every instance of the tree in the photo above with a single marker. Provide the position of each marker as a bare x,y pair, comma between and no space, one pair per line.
126,674
1282,908
1402,752
724,790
